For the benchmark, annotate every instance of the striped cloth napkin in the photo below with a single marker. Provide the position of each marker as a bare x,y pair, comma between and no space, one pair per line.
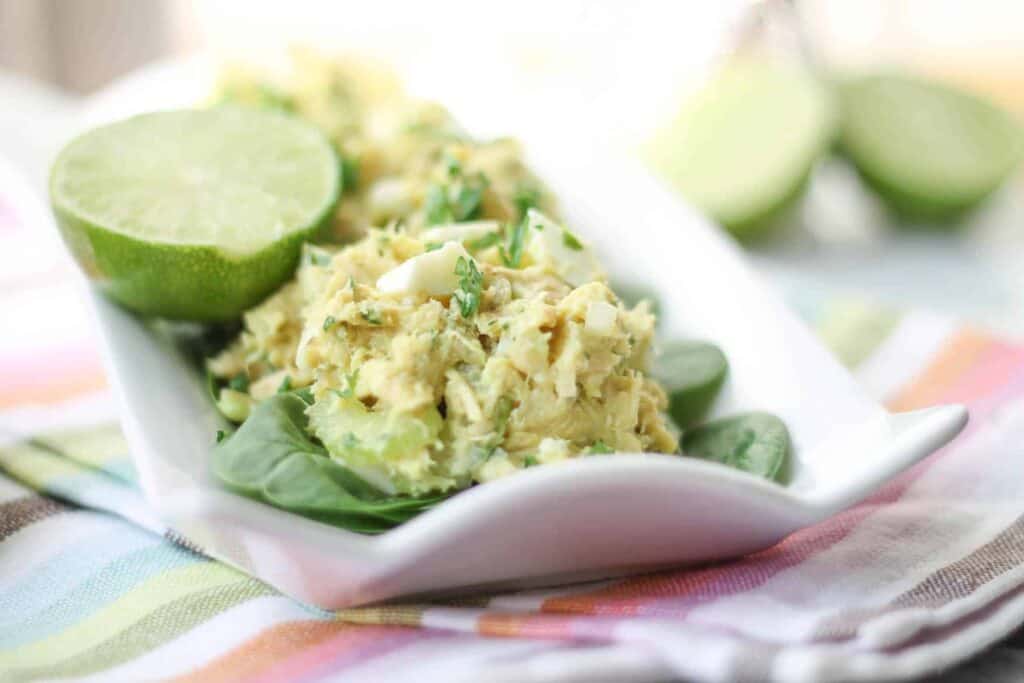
924,574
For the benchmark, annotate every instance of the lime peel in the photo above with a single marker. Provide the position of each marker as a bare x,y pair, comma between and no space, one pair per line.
194,214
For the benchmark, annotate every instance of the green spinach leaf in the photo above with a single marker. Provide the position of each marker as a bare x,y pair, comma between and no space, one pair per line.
271,458
692,373
757,443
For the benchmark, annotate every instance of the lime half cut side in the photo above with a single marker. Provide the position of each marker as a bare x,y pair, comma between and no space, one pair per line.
194,214
931,151
743,146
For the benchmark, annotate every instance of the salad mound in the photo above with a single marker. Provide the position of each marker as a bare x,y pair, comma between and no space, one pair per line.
450,330
432,383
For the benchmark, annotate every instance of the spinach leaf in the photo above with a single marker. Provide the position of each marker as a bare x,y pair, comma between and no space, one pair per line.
271,458
757,443
692,373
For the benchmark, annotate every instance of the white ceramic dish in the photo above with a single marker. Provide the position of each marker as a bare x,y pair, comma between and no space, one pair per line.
589,518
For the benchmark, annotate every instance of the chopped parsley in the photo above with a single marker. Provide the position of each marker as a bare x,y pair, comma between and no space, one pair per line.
471,282
469,198
530,461
454,165
600,448
570,240
306,394
525,198
488,240
457,202
329,322
512,250
221,435
434,246
350,385
286,385
436,205
502,411
239,382
372,316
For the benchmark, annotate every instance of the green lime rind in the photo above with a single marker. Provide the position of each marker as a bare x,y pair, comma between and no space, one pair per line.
756,443
194,214
195,283
692,374
930,151
743,148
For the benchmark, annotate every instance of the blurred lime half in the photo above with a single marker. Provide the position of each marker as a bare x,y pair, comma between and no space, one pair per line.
743,147
194,214
929,150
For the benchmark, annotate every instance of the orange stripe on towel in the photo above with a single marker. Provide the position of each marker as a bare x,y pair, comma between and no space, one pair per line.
960,354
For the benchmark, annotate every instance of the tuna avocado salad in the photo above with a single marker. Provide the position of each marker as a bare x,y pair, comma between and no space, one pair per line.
445,329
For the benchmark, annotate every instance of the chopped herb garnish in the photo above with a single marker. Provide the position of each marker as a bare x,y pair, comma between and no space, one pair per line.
286,385
456,203
352,284
600,448
239,382
469,198
502,411
512,250
434,246
453,165
372,316
471,282
530,461
350,385
221,435
436,205
349,174
306,394
488,240
329,322
526,197
570,240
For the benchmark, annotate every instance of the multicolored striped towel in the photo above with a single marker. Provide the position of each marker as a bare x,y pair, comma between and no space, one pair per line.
926,573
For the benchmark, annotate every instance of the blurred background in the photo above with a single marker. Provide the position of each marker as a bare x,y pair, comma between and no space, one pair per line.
646,78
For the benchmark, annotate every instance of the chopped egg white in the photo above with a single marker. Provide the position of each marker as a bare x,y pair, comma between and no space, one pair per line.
389,197
459,232
431,273
549,246
601,317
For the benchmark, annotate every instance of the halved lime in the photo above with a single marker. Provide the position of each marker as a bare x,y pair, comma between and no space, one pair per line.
194,214
929,150
743,147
